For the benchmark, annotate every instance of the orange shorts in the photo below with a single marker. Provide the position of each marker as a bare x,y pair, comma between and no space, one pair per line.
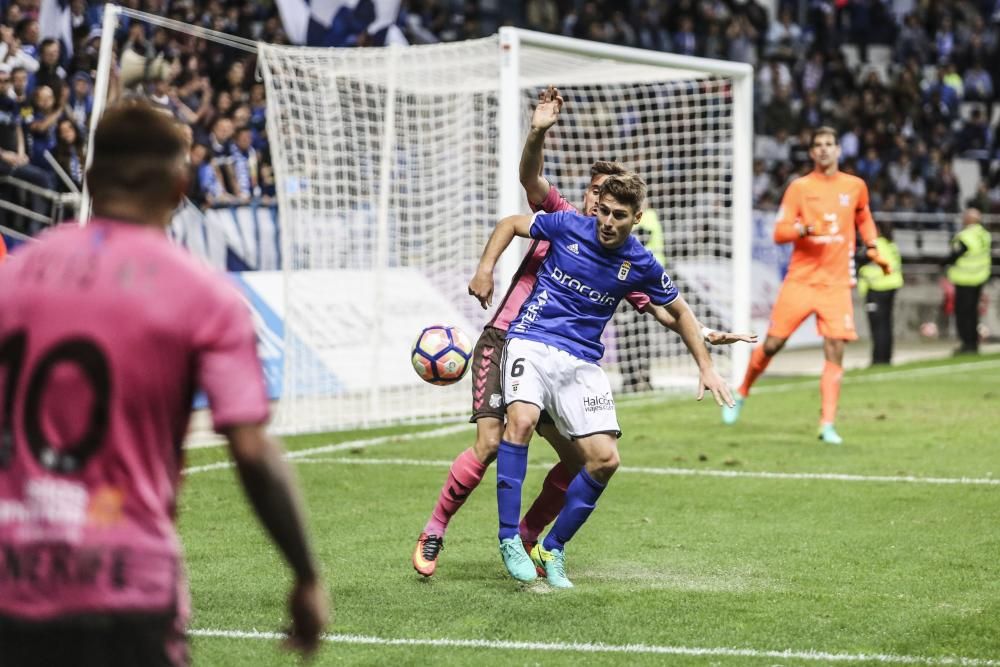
832,305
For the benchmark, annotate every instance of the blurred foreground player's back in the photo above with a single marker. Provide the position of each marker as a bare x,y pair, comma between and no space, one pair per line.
105,333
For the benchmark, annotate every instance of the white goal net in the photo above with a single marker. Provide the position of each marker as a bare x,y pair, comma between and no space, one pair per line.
393,166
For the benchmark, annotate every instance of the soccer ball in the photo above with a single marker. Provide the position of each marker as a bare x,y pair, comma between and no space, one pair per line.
441,354
929,330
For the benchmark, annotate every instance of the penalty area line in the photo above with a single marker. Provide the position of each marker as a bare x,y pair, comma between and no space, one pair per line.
574,647
341,446
689,472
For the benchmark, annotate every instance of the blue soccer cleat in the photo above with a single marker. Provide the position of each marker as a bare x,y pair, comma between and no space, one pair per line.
516,559
731,414
554,564
829,435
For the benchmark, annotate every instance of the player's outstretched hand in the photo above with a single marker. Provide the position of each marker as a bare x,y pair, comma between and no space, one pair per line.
310,611
481,287
711,380
550,103
728,338
877,258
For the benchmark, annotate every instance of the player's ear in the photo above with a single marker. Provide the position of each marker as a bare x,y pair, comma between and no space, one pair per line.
182,181
638,215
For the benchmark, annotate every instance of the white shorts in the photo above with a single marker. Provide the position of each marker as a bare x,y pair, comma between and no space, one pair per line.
576,393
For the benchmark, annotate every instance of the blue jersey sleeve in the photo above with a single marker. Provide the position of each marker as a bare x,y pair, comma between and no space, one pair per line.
658,285
548,226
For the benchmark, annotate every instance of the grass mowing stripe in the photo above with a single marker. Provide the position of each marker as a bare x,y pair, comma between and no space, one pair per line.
340,446
829,477
787,654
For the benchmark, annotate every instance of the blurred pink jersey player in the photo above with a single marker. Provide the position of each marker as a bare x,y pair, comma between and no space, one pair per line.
105,333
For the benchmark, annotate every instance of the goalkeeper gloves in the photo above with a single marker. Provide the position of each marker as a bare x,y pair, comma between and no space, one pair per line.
874,256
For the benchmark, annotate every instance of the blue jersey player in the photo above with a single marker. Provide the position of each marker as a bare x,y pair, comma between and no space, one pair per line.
552,353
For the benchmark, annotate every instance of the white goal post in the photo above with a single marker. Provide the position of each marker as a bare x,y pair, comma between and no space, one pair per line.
394,164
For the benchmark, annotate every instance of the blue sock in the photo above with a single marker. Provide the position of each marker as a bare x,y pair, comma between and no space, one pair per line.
512,465
581,497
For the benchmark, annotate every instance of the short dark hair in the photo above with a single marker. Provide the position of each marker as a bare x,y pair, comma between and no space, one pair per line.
136,150
820,131
628,189
607,168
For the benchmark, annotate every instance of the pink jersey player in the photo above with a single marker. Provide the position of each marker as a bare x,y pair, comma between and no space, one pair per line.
88,489
105,334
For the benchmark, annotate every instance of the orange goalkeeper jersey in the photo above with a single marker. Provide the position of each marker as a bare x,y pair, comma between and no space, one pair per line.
832,206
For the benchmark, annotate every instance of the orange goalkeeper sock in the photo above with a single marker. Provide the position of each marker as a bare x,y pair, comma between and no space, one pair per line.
829,391
758,362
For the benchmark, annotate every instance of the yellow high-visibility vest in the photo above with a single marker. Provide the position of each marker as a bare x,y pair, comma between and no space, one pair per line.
871,277
649,222
973,266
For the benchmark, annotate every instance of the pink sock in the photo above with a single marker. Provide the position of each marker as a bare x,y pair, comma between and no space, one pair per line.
465,474
547,505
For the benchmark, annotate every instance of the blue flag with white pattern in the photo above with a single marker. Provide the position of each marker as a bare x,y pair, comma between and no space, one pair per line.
54,21
341,22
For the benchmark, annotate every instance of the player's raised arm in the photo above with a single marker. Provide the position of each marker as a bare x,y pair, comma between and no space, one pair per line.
789,225
481,285
690,332
536,187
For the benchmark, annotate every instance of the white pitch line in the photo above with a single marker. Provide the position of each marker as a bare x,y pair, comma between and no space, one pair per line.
341,446
881,376
691,472
574,647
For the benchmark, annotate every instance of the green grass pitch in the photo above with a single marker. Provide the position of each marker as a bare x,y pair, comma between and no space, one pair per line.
883,551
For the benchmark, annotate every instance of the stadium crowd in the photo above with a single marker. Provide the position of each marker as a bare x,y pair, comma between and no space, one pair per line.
909,83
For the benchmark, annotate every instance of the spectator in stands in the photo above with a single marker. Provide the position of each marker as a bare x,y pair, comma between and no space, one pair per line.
811,115
85,56
542,15
951,78
778,113
685,41
978,83
773,149
42,127
245,165
799,146
19,91
69,152
83,19
197,158
12,15
81,98
869,166
12,51
784,39
975,139
944,40
761,180
28,33
50,73
742,37
850,143
912,41
14,162
811,75
620,31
